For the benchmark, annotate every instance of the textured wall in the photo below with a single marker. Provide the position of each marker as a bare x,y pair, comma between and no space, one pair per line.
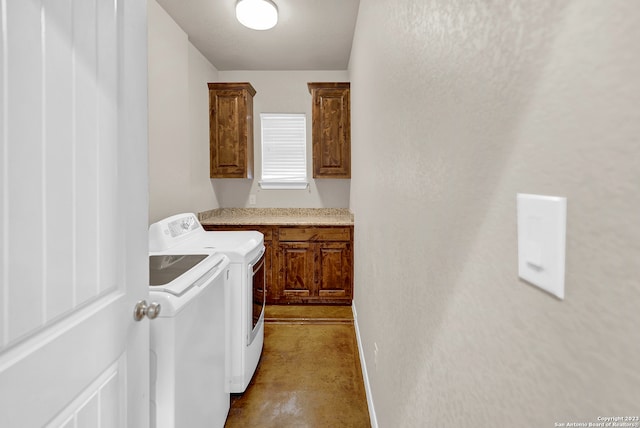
178,120
456,107
203,196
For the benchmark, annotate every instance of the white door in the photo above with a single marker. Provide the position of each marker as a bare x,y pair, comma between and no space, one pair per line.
73,213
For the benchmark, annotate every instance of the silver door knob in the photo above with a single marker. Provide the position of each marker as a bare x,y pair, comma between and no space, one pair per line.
141,309
153,310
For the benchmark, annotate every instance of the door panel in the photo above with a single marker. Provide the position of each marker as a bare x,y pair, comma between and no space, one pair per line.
46,374
24,201
228,129
331,129
73,207
334,268
297,269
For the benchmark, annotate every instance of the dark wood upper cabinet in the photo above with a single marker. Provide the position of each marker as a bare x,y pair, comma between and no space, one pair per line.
331,129
231,130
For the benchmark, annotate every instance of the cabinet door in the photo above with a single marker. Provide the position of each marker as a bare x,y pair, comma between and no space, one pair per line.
296,270
231,132
331,129
334,270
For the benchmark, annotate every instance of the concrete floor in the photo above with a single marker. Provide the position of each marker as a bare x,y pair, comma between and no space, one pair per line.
309,374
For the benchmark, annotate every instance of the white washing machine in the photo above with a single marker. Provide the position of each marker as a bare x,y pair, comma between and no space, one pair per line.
245,250
189,338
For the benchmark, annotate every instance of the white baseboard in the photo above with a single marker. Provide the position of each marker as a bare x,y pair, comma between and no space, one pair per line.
363,366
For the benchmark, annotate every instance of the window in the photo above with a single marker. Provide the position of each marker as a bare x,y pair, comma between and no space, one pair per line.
284,151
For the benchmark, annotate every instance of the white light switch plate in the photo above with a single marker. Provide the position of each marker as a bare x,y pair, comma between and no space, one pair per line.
542,230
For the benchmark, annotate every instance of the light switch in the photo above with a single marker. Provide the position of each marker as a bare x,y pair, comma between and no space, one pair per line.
542,230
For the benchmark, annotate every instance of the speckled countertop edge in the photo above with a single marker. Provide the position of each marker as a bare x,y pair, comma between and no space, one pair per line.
277,216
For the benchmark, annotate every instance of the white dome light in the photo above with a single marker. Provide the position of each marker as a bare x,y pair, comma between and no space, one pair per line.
257,14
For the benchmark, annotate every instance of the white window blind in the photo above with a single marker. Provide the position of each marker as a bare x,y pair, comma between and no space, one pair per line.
284,151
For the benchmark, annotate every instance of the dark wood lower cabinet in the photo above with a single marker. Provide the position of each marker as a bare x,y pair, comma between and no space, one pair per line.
335,270
296,270
306,265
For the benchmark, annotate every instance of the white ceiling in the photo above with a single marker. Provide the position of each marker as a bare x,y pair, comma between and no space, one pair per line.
310,35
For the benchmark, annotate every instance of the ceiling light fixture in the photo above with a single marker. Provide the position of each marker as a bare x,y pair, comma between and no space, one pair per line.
257,14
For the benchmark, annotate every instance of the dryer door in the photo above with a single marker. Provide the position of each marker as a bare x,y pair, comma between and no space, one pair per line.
256,283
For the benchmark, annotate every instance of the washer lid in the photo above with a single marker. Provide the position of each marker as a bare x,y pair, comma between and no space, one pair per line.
165,268
177,273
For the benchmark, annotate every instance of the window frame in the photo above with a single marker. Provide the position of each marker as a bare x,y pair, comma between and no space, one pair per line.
296,183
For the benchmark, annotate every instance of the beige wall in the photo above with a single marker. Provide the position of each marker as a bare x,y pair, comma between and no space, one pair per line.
179,128
203,196
282,92
178,120
456,107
